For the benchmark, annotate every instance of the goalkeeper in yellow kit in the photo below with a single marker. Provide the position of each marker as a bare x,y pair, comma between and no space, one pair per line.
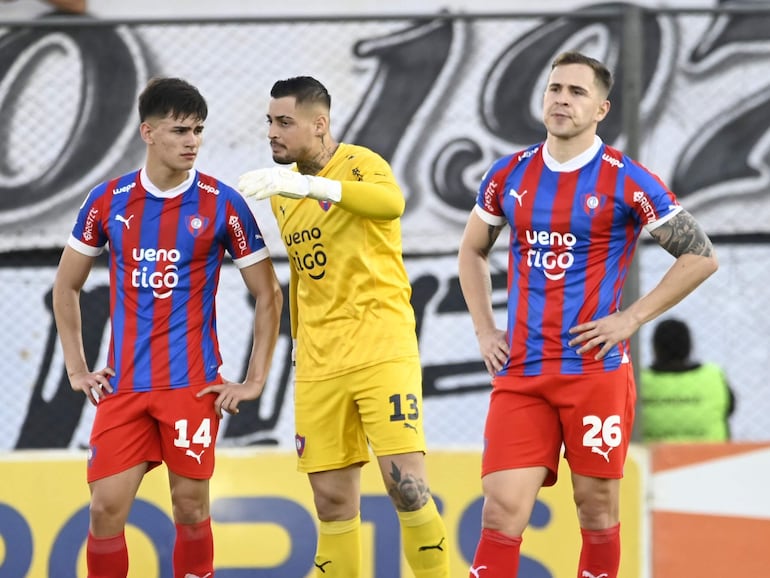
358,379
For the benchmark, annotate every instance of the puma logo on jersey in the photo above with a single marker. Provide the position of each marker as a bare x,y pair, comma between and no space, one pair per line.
587,574
605,455
434,547
477,571
121,219
197,458
518,196
410,426
321,566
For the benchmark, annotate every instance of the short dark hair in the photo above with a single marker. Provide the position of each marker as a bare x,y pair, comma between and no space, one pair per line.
171,96
671,341
601,72
305,89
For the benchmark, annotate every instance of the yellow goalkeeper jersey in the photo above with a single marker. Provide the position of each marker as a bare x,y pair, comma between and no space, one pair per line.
350,306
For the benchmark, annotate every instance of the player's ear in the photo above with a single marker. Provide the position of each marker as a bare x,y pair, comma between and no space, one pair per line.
321,125
604,109
145,131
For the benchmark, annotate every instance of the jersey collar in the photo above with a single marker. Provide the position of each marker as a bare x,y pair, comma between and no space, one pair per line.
574,163
169,194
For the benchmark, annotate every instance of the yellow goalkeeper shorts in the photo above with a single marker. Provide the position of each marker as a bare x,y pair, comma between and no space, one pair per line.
335,417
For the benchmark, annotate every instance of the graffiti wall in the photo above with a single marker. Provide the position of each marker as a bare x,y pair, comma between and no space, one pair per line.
440,96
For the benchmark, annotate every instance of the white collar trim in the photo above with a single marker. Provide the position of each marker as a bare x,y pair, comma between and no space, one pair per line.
574,163
169,194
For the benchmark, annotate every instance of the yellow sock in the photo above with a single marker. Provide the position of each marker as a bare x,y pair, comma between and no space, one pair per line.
338,554
425,542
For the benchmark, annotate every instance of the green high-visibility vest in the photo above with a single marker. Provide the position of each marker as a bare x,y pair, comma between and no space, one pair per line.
687,406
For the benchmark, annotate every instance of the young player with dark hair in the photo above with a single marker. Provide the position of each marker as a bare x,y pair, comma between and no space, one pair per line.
161,395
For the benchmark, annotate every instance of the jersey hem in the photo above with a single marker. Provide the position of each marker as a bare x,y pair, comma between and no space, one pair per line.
354,369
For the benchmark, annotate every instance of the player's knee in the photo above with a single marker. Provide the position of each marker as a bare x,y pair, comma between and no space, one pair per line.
596,509
189,510
107,514
597,515
594,492
334,506
505,514
410,494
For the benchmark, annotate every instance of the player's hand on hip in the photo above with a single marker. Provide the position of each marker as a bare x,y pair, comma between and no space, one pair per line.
494,350
603,334
264,183
95,384
231,394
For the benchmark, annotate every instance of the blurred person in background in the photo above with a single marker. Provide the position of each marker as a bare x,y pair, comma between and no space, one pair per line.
561,369
161,396
683,400
358,380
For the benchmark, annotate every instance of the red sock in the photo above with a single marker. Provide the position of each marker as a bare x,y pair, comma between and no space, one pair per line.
107,557
194,550
600,555
497,555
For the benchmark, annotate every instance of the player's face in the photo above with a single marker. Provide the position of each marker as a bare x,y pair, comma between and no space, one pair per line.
293,131
173,142
573,102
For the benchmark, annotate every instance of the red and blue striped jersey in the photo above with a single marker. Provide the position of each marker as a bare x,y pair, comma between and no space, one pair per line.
573,232
165,254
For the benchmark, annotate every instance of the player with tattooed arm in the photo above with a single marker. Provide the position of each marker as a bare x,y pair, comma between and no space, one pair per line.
561,371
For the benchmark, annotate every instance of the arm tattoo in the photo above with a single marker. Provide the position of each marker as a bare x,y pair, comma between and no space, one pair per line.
492,233
683,235
408,492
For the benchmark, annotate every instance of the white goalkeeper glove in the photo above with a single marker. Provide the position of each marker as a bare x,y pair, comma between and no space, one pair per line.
264,183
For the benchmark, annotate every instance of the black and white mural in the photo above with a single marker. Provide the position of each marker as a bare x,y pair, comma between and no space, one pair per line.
440,95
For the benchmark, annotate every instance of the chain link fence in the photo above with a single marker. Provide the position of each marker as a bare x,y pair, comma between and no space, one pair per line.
440,97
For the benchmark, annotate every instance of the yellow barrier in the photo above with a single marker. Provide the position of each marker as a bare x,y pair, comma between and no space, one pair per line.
263,520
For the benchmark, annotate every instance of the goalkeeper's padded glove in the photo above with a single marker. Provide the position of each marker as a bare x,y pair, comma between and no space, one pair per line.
264,183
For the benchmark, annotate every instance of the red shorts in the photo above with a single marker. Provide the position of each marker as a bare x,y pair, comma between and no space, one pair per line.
530,418
169,425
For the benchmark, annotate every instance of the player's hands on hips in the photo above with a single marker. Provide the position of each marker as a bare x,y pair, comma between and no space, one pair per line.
230,394
95,384
604,333
264,183
494,350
